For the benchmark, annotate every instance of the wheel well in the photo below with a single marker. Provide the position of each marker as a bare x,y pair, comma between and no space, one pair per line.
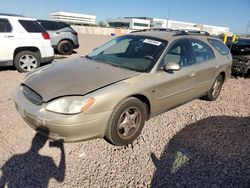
29,48
145,100
66,39
223,74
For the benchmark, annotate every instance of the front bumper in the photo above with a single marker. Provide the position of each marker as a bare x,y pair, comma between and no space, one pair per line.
76,46
69,128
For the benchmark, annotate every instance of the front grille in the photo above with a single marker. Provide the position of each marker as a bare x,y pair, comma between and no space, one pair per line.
32,96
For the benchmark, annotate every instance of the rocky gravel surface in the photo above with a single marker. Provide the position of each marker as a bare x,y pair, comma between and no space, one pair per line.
200,144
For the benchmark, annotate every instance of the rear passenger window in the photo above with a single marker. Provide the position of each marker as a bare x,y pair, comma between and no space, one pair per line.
31,26
5,26
52,26
202,52
48,25
62,25
219,46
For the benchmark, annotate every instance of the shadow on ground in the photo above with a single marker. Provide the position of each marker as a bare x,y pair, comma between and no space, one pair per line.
8,68
31,169
12,68
213,152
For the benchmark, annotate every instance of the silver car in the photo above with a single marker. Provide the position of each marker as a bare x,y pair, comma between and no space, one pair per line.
112,92
64,39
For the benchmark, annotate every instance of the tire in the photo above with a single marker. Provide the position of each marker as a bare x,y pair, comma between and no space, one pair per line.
65,47
126,122
26,61
214,92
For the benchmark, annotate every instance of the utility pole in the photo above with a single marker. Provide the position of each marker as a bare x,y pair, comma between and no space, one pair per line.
169,11
248,26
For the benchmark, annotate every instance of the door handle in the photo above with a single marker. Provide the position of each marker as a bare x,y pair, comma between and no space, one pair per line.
191,74
9,36
58,32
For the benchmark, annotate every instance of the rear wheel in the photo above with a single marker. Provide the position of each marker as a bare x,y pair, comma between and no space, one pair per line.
126,122
215,90
65,47
26,61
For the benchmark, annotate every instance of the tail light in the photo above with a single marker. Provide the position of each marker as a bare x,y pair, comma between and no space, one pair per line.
74,33
45,35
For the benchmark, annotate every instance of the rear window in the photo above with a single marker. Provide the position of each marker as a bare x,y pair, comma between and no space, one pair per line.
219,46
202,52
52,26
31,26
5,26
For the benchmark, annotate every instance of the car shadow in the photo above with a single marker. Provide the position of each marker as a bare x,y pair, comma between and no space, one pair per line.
31,169
213,152
59,56
12,68
7,68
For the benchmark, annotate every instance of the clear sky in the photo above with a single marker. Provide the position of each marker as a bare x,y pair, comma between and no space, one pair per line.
233,14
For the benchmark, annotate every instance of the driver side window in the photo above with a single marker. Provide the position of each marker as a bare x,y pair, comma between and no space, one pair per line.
178,53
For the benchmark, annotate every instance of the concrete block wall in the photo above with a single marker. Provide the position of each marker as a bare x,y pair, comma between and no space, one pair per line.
100,30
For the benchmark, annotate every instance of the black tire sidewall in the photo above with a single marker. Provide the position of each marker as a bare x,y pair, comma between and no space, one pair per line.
112,130
20,54
60,47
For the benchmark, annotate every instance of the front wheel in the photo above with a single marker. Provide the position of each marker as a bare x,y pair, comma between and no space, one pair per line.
126,122
215,90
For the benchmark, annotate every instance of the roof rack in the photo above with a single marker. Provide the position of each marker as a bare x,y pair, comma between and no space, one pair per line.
6,14
178,31
153,29
188,31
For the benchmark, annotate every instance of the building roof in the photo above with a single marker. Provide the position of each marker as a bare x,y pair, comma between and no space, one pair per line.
71,14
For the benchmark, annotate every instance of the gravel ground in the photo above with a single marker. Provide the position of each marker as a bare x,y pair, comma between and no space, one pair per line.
198,144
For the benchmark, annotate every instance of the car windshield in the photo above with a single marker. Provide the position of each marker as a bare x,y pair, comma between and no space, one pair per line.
138,53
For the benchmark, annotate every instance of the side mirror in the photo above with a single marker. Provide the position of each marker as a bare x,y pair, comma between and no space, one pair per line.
171,66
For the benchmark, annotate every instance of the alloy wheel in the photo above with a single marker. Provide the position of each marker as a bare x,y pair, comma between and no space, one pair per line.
129,122
27,62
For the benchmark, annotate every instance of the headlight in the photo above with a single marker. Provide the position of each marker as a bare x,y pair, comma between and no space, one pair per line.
70,105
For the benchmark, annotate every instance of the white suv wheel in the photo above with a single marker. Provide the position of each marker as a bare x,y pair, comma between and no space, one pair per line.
26,61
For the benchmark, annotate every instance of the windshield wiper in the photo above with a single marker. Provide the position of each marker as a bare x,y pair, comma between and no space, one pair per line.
108,62
88,57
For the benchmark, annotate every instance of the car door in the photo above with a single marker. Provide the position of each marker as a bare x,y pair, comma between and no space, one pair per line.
205,67
7,40
175,88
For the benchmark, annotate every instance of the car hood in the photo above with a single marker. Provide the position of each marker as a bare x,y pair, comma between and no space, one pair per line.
74,77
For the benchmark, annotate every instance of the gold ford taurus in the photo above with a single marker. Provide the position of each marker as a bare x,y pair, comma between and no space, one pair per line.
112,92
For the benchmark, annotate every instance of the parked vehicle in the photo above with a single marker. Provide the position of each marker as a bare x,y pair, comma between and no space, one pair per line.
112,92
63,38
241,57
24,43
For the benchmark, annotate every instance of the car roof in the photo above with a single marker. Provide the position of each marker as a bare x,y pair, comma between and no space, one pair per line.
156,34
167,34
15,16
55,21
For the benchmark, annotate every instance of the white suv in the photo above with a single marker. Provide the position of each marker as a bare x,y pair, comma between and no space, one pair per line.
23,43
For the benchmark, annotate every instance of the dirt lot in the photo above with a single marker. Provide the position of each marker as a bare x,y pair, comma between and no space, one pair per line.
198,144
